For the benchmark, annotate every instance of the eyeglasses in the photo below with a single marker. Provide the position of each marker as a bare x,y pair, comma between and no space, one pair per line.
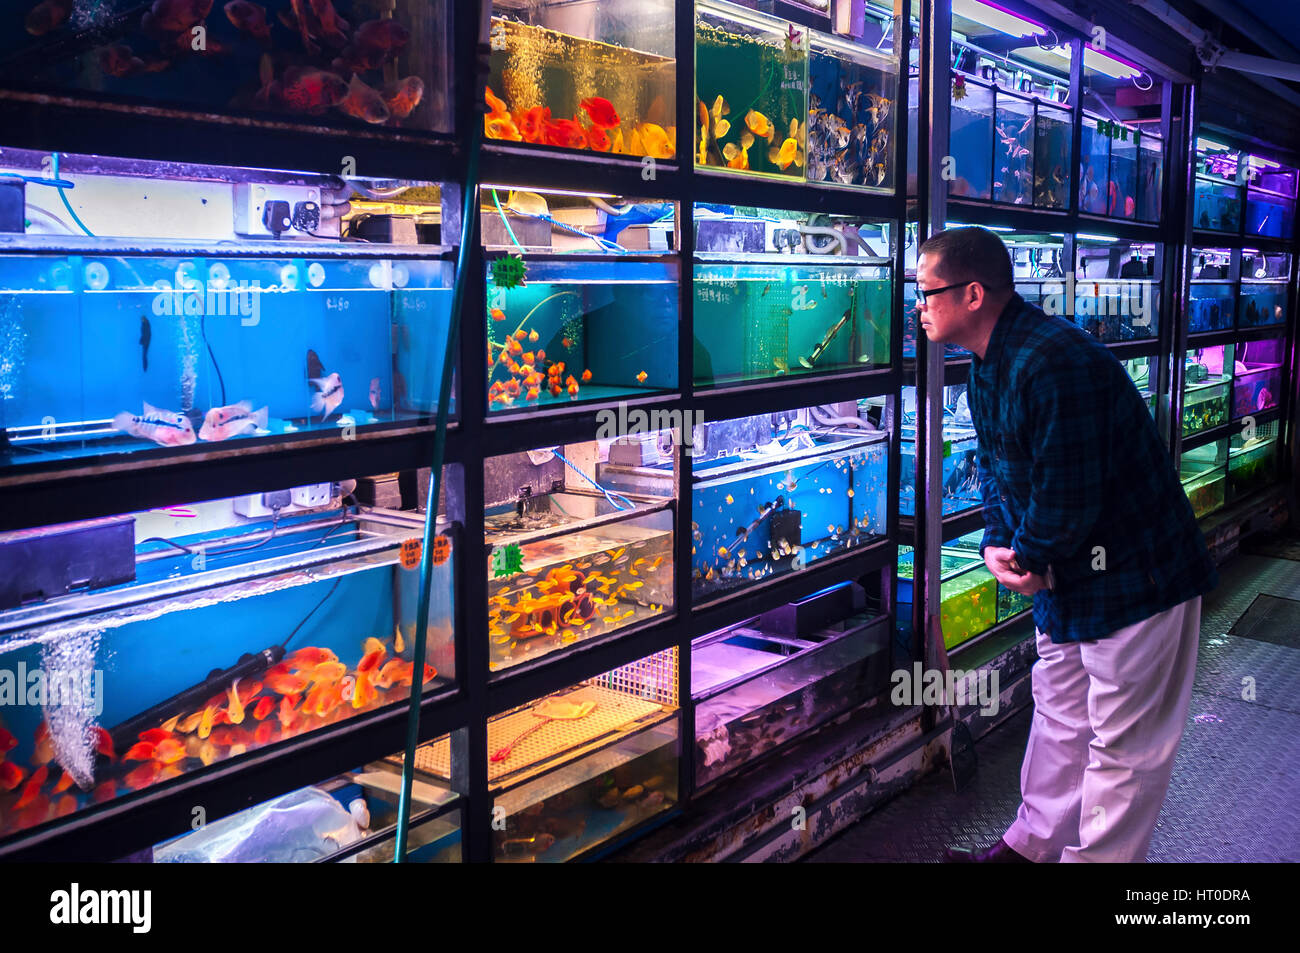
923,293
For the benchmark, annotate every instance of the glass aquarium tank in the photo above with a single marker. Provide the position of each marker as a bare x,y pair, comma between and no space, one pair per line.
961,482
1141,371
772,679
972,121
774,493
1094,168
1207,378
1257,383
1012,603
348,818
1052,139
1261,303
1202,471
570,557
597,76
1151,164
751,94
1013,154
852,92
1270,198
1211,304
171,640
345,63
1252,459
761,320
577,768
216,331
1123,186
968,591
1217,205
589,328
1116,291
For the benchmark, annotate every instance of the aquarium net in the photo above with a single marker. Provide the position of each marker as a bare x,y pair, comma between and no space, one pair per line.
653,677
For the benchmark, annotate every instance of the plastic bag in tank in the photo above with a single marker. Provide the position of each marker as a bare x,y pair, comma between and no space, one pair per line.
299,827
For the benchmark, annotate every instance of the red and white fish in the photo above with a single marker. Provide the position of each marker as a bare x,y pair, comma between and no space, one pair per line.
164,427
222,423
328,394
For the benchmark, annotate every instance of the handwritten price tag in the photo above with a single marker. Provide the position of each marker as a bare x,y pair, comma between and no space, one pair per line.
410,553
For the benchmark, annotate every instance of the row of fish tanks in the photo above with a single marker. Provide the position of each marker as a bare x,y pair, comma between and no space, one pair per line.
1012,115
1112,291
1241,193
1229,468
773,97
1237,289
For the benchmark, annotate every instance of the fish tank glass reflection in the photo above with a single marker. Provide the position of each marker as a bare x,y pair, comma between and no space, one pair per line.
1265,277
972,121
1207,379
950,350
170,640
751,92
756,321
1052,138
570,771
596,76
1210,305
1116,293
776,492
1151,166
340,63
771,679
852,92
1252,459
961,482
1120,173
573,554
968,592
1013,175
1217,205
1270,198
349,818
132,343
1203,473
1141,371
1257,384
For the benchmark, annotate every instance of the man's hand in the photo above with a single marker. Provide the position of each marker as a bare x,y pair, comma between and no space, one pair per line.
1002,563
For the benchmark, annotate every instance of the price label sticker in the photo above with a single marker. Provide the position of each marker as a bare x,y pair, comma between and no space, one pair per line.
410,552
441,550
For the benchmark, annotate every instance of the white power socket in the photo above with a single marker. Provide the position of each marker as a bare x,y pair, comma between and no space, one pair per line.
251,199
318,494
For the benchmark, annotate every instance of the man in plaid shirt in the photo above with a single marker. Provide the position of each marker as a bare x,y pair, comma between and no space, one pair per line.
1085,513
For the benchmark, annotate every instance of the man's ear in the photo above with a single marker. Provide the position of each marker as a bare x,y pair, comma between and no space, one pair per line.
974,296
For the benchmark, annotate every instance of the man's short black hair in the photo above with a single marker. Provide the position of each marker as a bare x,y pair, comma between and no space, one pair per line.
970,254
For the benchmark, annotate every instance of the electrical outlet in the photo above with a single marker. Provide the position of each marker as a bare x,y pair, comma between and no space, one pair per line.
256,505
251,200
317,494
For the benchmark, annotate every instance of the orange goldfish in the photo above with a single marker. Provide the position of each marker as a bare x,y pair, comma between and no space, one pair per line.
573,389
10,775
520,334
286,714
736,158
402,97
169,751
65,805
44,745
497,105
497,314
641,377
7,742
513,346
363,693
586,376
250,18
65,782
656,141
533,337
143,776
236,710
309,656
220,717
327,672
788,153
566,132
532,394
163,427
142,751
598,139
362,102
284,682
566,343
264,708
47,16
759,124
222,423
103,792
206,722
601,111
263,734
189,722
154,736
32,787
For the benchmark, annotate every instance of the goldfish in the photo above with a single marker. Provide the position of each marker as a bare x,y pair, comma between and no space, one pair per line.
120,60
65,805
642,377
373,44
567,343
143,776
32,787
601,111
520,334
760,125
154,736
323,699
736,158
7,742
586,376
402,97
364,693
513,346
10,775
327,394
263,733
331,25
286,714
169,751
65,782
328,672
236,710
656,141
533,338
140,751
206,722
362,102
573,389
598,139
565,132
175,16
495,103
311,90
103,792
284,682
541,356
250,18
310,656
47,16
233,420
163,427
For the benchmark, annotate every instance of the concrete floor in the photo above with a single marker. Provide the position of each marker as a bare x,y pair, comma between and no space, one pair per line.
1235,792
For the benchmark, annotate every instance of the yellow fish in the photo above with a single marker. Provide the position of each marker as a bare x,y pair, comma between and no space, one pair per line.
398,644
657,141
760,125
372,644
736,158
788,153
236,706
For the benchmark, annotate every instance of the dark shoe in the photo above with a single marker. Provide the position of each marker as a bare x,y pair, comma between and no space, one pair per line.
999,853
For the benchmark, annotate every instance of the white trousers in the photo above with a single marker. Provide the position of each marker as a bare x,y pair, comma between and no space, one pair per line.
1108,716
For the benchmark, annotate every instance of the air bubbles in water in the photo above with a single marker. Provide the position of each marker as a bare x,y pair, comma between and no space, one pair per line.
72,702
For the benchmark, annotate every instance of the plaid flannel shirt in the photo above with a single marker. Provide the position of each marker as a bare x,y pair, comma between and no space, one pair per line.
1077,480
